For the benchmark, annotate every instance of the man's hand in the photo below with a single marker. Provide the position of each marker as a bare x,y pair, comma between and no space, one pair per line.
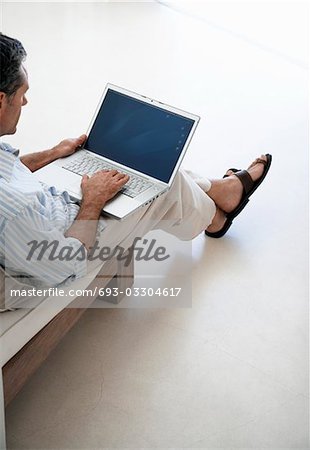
68,146
101,187
96,190
35,161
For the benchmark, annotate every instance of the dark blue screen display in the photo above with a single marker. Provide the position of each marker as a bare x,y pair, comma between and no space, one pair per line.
141,136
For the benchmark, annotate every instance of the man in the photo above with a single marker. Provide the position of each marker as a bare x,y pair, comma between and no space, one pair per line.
30,210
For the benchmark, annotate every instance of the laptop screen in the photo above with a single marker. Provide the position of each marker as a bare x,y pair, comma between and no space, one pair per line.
138,135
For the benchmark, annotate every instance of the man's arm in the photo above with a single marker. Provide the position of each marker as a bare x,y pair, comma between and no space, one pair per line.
35,161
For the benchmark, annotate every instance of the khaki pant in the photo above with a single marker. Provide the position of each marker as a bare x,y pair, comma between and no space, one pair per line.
184,211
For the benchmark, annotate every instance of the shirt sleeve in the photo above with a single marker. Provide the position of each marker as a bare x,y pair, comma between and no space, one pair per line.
35,248
8,148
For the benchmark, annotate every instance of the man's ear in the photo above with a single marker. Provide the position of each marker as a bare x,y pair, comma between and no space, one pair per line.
2,97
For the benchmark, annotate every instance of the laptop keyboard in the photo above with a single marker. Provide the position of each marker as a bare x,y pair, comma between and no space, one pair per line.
88,165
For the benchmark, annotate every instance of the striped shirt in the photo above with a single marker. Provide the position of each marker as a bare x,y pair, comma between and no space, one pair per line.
31,211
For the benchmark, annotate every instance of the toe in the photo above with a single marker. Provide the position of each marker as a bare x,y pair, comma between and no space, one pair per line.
261,160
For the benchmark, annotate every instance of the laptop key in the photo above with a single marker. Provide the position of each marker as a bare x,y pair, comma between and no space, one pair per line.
89,165
128,192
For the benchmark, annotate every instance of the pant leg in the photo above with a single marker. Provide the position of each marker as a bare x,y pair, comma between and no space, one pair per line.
184,211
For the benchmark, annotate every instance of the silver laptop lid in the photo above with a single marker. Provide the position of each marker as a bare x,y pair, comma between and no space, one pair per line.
140,133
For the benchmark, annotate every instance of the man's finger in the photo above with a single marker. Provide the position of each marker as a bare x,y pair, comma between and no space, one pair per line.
123,179
100,172
122,176
84,179
80,140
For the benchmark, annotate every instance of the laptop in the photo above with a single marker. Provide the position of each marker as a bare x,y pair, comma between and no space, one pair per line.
134,134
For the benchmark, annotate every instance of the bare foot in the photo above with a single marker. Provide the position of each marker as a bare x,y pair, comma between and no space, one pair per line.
218,221
227,193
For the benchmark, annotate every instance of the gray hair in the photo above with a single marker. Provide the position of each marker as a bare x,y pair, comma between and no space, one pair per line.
12,55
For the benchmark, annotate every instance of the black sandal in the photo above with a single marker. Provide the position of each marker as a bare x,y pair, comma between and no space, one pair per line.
249,187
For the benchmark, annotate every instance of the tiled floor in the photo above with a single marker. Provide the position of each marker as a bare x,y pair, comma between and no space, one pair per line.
232,371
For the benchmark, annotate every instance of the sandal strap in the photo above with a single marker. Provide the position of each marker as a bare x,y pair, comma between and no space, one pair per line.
263,161
258,160
246,180
233,170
